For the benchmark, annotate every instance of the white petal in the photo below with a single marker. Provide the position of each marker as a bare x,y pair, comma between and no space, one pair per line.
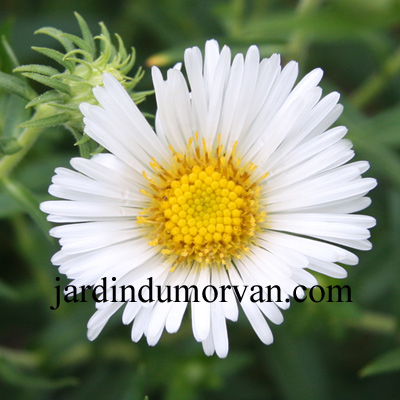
100,318
253,313
201,308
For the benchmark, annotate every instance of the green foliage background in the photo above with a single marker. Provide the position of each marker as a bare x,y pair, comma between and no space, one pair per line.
321,351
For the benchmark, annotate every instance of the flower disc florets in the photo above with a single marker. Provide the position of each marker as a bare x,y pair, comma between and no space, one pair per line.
204,205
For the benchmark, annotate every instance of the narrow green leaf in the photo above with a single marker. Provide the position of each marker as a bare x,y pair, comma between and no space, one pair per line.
148,115
98,150
53,83
16,86
105,33
39,69
129,65
73,78
106,46
136,79
82,140
67,107
106,50
50,96
86,34
9,145
48,122
386,363
28,202
139,97
121,47
58,35
81,60
56,56
79,42
84,53
12,114
9,51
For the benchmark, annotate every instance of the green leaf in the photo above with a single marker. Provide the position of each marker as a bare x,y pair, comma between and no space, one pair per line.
79,60
121,47
56,56
66,107
79,42
53,83
36,68
106,50
9,52
139,97
48,122
50,96
98,150
106,34
16,86
73,78
86,145
386,363
86,34
87,57
29,204
82,140
129,63
9,145
58,35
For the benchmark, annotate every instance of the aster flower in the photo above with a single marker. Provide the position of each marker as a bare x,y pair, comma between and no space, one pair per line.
243,182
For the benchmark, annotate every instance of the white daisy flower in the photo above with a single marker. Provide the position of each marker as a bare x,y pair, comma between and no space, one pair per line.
243,182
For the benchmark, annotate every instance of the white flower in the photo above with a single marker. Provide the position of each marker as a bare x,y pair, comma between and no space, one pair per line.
243,183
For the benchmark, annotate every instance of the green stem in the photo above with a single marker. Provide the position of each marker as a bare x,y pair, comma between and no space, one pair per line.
377,82
238,11
27,138
298,44
85,150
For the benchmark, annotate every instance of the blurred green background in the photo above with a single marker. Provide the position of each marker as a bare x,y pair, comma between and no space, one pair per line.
321,351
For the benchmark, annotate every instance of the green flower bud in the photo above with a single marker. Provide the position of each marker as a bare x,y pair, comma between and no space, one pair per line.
85,60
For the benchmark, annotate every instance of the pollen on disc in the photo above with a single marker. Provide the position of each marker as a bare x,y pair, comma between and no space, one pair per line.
204,206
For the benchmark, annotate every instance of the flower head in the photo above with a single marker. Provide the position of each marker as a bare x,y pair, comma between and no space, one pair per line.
243,183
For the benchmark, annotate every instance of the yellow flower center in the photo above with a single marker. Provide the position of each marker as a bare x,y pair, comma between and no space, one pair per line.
204,205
